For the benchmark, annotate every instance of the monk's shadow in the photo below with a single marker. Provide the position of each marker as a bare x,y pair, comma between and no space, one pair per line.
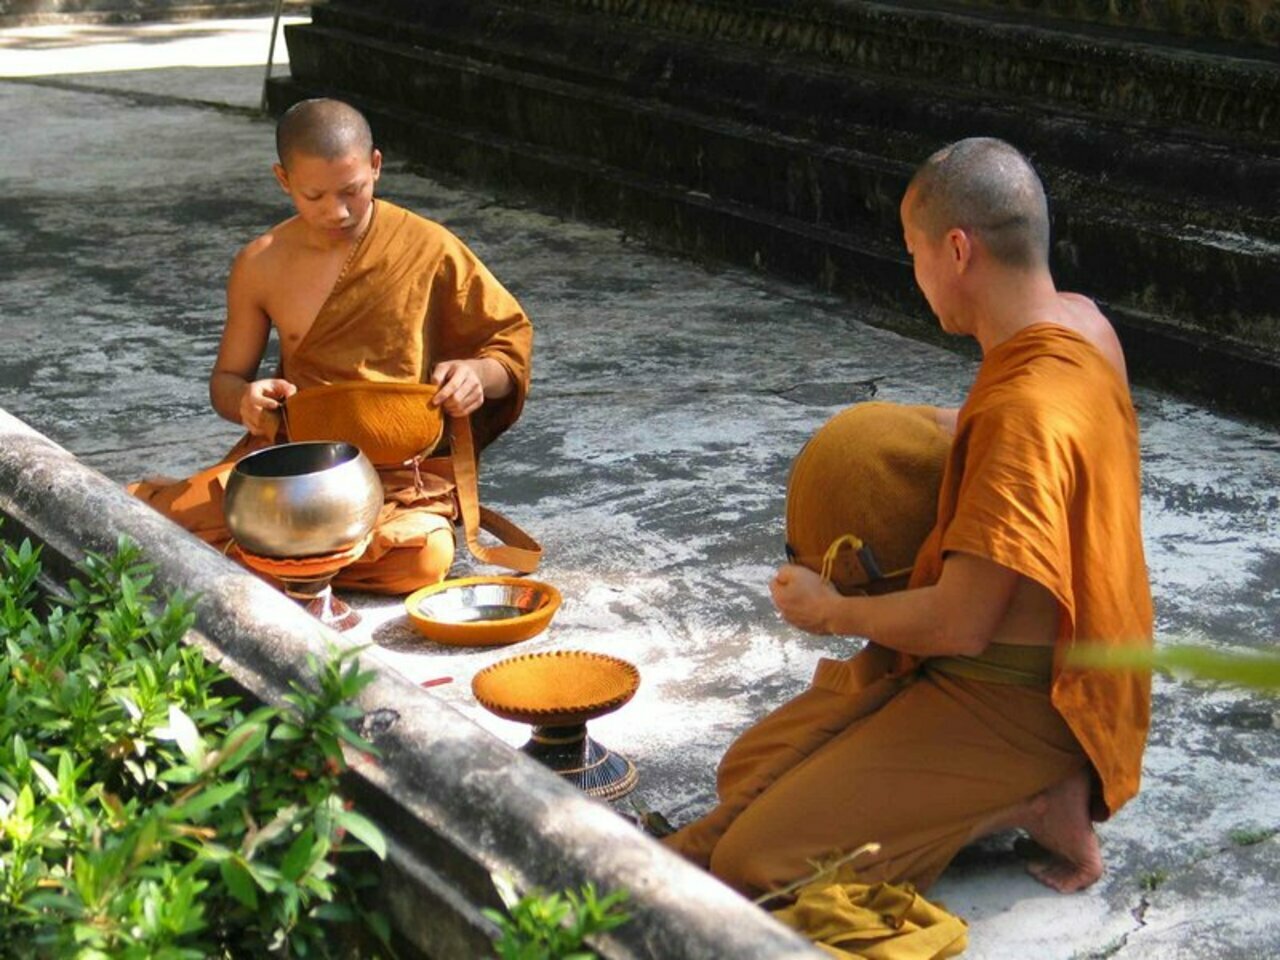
399,636
999,851
388,626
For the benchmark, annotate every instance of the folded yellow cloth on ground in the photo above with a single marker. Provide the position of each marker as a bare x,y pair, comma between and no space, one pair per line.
882,921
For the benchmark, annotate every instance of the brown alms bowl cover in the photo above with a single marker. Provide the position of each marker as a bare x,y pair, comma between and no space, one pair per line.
557,688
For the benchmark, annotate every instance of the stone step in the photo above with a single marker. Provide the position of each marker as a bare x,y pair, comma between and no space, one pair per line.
1247,21
1236,183
836,188
789,150
1236,376
1204,88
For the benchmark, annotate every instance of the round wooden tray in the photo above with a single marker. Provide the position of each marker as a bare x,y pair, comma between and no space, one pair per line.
558,688
482,611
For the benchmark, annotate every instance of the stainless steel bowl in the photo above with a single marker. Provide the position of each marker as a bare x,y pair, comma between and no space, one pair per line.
473,603
302,499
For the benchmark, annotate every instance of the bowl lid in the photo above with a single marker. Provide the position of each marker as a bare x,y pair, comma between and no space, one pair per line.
559,687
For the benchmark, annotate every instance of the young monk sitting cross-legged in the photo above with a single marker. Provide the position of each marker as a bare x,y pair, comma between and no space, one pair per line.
358,289
963,717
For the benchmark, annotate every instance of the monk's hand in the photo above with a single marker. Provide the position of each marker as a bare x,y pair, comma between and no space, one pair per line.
802,597
461,390
260,405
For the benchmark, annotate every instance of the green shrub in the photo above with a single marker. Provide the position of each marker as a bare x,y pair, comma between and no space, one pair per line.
554,926
143,811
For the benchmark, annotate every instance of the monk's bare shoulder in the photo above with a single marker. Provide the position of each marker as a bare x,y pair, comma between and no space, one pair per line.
252,279
265,254
1081,314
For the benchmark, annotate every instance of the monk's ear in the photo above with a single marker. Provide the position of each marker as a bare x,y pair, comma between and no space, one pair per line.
282,176
959,248
375,164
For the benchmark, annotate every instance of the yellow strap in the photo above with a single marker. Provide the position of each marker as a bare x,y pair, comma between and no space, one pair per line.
519,551
829,558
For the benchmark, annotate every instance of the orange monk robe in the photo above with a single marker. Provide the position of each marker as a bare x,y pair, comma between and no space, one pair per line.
914,755
410,296
1045,479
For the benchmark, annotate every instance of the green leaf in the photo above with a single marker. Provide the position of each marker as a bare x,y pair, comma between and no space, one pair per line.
183,732
298,856
47,780
363,830
1256,669
20,756
66,775
287,731
182,774
206,799
239,745
239,881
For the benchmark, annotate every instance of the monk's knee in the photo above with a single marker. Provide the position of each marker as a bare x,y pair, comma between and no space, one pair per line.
402,569
431,562
741,860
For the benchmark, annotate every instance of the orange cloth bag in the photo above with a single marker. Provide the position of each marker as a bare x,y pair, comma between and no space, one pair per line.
867,479
394,424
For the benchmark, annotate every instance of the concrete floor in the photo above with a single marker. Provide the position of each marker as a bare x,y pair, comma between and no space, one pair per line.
651,461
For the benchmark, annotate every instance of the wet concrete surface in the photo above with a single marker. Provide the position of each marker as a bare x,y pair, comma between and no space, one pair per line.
668,401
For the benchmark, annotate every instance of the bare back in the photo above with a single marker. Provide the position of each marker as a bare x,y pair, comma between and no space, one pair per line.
1077,312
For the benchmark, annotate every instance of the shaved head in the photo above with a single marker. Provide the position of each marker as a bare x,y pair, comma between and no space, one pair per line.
987,188
328,129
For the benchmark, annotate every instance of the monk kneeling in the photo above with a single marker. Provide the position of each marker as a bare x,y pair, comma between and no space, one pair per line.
962,716
358,289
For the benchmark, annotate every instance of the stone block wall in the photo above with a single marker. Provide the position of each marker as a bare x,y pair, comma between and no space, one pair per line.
781,134
1249,21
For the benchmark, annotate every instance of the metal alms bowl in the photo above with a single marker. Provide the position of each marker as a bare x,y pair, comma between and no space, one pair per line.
302,499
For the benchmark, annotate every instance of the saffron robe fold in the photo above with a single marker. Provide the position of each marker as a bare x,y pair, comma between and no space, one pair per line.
1042,478
411,295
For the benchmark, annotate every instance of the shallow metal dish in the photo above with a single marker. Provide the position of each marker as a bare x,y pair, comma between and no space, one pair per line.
483,611
302,499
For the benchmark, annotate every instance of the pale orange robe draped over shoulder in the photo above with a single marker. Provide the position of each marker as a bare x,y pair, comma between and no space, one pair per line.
1042,478
411,295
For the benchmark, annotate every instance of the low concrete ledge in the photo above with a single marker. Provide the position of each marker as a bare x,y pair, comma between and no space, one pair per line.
457,805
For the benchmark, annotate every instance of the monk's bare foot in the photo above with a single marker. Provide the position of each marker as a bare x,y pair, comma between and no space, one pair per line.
1059,822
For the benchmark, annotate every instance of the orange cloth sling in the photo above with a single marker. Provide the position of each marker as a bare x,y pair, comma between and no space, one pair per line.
410,296
1043,478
